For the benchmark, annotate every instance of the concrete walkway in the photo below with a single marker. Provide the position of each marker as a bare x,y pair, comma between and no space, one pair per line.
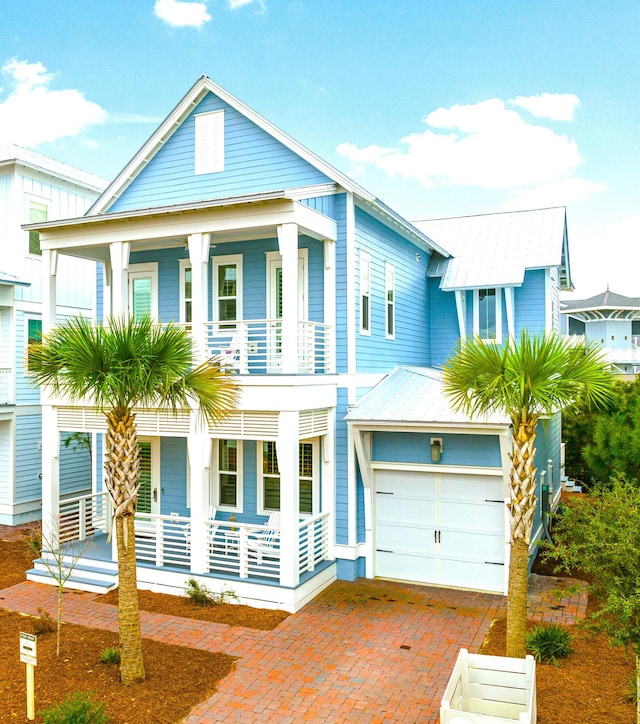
368,651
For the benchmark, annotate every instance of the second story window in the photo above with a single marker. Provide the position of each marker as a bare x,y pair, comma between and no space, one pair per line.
229,474
487,318
227,281
365,293
390,301
37,212
185,292
34,334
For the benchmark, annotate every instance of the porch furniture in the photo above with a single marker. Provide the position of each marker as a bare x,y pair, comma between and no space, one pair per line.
266,542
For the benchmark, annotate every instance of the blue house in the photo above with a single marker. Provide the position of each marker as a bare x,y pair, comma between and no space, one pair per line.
34,188
343,458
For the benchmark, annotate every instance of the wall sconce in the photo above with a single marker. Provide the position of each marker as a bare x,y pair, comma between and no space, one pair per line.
436,449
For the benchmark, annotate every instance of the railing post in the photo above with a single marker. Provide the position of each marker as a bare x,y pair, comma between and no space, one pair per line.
243,552
159,533
82,522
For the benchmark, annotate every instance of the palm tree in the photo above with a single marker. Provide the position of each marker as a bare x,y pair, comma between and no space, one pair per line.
534,377
118,366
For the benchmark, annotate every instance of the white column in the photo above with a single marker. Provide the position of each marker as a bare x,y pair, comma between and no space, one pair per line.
199,461
49,275
119,255
50,474
106,291
330,303
199,245
288,453
288,244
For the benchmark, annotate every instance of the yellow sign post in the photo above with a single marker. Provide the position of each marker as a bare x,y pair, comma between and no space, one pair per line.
28,655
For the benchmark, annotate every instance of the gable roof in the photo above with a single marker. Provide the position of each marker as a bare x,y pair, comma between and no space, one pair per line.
12,154
492,250
606,300
12,279
194,95
413,395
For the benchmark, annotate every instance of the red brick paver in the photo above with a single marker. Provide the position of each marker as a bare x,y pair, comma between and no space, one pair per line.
369,651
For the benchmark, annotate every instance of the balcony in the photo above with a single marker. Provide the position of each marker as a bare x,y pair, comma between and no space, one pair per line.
6,386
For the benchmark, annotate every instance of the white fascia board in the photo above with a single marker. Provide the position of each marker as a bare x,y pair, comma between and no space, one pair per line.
463,428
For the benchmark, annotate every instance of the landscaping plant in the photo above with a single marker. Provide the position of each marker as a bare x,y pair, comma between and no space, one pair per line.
549,642
110,655
78,708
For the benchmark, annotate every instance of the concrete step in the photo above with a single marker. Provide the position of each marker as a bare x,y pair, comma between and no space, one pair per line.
85,576
76,583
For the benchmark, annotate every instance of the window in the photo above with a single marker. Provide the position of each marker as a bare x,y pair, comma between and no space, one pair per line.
487,317
227,289
37,213
365,293
271,478
209,142
185,292
143,290
34,334
390,300
228,492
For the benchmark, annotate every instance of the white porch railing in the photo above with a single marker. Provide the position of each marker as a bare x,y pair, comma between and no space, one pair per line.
314,542
6,386
84,516
163,540
254,346
635,340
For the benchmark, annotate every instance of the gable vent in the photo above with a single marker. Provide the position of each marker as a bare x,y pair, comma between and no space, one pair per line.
209,142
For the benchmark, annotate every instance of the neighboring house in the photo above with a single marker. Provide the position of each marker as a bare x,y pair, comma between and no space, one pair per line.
611,320
33,189
315,292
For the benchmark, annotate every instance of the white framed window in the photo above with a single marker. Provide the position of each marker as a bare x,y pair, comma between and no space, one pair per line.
186,287
365,293
143,290
227,289
390,300
226,492
487,314
269,478
37,211
209,142
33,333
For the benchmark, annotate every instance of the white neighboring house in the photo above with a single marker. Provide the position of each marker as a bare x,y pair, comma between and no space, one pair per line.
34,188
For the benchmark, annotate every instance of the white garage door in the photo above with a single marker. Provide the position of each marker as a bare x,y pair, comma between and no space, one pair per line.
442,528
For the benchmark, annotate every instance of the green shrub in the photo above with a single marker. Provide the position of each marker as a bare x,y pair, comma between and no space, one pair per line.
549,642
631,692
199,593
78,708
110,655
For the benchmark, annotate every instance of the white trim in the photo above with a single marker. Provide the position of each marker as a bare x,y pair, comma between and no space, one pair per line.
352,307
498,312
226,260
215,477
183,265
548,305
143,271
510,307
389,271
461,311
315,480
27,317
364,291
209,142
274,261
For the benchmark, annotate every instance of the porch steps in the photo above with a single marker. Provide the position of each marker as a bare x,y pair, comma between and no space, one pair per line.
87,575
570,486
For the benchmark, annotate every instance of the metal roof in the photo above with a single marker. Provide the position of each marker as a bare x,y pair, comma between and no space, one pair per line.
493,250
412,395
6,278
10,154
606,300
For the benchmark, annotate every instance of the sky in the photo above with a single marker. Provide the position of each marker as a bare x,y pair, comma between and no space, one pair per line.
439,107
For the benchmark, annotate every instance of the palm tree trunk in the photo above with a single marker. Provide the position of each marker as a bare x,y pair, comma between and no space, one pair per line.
122,466
522,508
637,687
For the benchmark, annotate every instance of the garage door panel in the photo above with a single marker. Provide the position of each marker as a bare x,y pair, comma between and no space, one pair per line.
418,540
405,567
472,487
403,510
476,547
469,574
472,516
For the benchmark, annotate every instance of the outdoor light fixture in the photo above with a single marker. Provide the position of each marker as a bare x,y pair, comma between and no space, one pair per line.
436,449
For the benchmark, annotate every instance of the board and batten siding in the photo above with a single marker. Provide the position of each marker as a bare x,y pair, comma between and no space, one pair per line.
324,204
374,352
28,486
254,161
457,449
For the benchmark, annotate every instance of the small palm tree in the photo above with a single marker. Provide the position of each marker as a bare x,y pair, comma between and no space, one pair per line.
533,377
129,363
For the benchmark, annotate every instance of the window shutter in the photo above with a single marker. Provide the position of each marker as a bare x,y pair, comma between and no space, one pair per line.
209,142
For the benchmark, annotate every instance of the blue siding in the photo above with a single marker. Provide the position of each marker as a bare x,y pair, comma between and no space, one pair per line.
341,285
26,392
443,323
28,458
374,352
6,478
75,469
342,483
324,204
414,447
529,303
254,162
173,475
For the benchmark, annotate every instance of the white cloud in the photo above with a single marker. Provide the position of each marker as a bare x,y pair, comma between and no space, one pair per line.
182,14
32,113
235,4
555,106
484,145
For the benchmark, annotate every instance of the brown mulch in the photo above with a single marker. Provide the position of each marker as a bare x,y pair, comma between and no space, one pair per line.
232,614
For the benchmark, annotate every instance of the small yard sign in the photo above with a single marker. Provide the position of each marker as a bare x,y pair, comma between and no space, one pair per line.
28,655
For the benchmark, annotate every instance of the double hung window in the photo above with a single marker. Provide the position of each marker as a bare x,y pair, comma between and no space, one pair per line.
270,488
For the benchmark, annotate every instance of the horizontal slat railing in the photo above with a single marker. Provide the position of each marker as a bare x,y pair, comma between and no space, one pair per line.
6,386
314,541
163,540
235,549
83,517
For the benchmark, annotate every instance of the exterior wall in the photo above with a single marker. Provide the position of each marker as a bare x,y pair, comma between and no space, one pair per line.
529,303
28,466
254,162
374,352
6,468
26,392
341,284
75,470
342,482
443,323
457,449
612,333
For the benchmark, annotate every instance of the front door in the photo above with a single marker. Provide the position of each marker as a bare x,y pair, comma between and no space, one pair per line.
149,491
143,291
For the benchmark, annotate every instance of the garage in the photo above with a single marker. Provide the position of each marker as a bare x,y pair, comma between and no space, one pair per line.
444,528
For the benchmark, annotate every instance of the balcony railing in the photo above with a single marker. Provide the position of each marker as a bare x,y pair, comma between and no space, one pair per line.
6,386
254,346
83,517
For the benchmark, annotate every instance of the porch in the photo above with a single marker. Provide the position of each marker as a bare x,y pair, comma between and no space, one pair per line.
243,557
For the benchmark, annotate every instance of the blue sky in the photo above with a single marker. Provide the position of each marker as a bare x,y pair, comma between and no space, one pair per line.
441,108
